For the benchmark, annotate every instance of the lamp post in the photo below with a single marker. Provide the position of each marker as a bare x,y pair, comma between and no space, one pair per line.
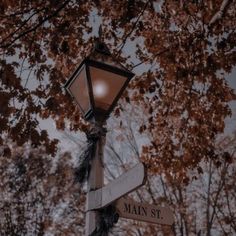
96,85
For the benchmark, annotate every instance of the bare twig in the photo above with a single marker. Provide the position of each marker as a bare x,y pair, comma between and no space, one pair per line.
36,26
219,14
22,25
133,28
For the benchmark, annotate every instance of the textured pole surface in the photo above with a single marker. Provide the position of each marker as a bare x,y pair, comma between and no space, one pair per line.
95,181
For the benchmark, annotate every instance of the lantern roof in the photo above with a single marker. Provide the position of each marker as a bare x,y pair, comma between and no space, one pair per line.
101,53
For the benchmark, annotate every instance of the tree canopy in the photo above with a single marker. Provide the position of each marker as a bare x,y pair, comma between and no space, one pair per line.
181,52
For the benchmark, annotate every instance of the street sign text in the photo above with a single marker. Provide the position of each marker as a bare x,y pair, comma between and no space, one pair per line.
144,212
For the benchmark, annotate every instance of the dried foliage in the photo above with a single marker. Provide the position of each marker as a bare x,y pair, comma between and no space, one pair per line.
185,49
187,46
37,193
85,159
203,203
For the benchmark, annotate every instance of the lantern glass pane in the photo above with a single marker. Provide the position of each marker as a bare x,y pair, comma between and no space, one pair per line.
106,86
79,90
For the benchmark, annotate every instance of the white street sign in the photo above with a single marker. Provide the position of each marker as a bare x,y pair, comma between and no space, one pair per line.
144,212
119,187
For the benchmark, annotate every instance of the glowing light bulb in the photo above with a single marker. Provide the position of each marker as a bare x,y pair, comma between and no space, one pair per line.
100,89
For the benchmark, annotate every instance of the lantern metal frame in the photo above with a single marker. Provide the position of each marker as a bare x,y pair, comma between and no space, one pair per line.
93,112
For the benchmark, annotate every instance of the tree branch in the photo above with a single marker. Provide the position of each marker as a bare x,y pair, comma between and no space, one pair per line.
22,25
219,14
37,25
133,28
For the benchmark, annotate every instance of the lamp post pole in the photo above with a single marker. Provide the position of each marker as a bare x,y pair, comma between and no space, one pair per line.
96,179
96,85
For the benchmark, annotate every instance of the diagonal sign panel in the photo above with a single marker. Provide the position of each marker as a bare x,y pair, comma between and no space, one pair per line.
119,187
144,212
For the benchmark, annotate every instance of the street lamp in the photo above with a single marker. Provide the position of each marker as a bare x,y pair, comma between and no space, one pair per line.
98,83
96,86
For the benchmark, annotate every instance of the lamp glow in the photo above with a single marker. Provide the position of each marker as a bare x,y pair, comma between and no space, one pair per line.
100,89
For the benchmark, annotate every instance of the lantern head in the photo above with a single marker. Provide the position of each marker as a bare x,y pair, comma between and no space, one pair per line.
98,83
